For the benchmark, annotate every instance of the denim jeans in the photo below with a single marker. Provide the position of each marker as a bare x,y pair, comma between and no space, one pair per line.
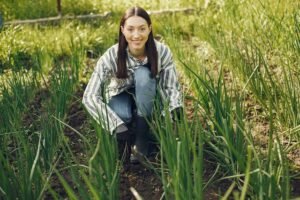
142,96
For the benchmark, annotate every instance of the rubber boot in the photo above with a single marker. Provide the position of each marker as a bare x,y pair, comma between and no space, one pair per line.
141,143
123,145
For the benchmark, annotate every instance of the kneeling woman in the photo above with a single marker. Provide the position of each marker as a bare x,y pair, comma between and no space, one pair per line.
128,75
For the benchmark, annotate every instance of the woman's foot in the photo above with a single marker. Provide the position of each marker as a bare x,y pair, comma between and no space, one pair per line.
136,156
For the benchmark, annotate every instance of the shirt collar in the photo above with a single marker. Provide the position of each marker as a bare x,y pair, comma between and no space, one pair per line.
140,62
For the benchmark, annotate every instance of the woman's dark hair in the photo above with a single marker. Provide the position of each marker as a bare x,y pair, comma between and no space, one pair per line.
151,51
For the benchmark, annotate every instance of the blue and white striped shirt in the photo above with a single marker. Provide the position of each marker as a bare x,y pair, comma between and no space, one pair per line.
104,84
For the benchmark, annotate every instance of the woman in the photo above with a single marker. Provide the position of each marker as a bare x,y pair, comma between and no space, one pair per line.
127,76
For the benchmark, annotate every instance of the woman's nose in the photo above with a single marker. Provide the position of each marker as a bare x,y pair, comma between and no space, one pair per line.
136,33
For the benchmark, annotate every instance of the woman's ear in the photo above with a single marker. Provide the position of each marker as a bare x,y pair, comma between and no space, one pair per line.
122,29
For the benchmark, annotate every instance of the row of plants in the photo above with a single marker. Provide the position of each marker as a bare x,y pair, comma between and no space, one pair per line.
257,172
34,134
262,50
29,154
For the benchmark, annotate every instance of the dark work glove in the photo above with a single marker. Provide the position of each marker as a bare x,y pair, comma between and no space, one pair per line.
177,114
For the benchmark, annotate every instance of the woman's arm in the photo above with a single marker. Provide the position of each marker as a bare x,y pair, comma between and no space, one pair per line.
168,82
94,97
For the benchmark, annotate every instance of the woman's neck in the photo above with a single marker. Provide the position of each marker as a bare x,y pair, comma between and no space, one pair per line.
138,54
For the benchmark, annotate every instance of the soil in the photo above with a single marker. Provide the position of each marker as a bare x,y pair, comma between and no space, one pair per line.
144,181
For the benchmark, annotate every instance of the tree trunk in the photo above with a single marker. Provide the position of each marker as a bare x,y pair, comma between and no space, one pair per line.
59,7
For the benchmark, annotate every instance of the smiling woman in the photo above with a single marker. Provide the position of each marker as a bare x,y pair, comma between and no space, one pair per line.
136,31
126,79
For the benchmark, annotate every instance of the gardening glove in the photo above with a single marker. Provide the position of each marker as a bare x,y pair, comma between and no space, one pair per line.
177,114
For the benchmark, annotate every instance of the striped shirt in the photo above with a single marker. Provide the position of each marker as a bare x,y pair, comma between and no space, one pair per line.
103,84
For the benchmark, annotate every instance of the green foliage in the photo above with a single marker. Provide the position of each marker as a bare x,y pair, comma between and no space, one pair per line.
181,150
16,91
30,9
25,46
229,52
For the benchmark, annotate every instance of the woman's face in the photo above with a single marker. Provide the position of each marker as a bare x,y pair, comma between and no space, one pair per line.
136,31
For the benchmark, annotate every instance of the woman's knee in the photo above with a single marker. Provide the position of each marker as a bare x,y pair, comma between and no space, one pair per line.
125,113
126,118
122,106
